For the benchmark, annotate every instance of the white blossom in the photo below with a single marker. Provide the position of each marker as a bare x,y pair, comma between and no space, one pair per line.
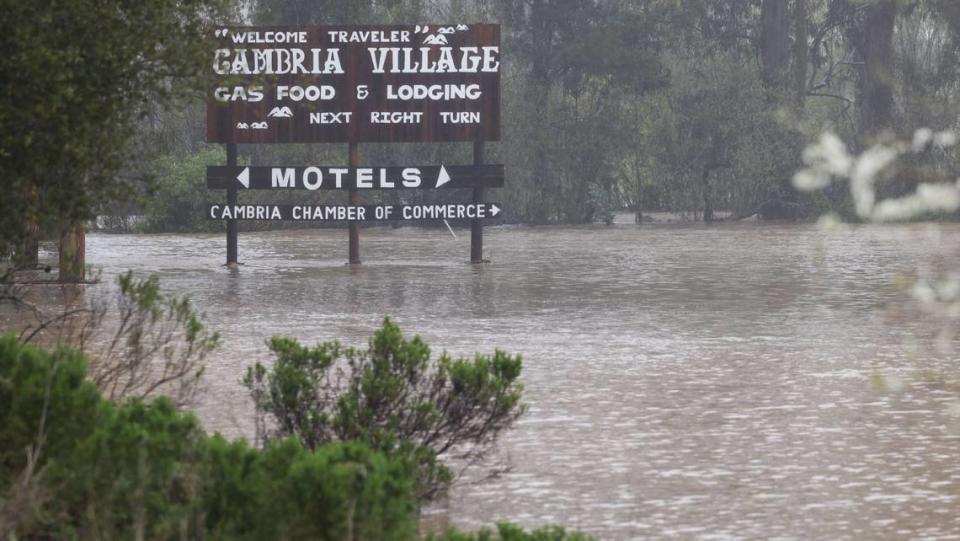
811,180
921,138
830,222
945,139
863,177
928,198
828,160
829,155
923,293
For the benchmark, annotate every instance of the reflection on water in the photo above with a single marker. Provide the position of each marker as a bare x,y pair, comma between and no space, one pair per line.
684,381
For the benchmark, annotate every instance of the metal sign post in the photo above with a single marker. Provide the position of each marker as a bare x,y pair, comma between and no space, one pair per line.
476,226
354,199
232,200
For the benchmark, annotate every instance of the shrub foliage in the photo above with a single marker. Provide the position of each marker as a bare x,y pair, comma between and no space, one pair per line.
391,396
510,532
144,470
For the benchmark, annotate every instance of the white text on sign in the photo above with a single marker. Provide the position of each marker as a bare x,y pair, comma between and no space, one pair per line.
336,213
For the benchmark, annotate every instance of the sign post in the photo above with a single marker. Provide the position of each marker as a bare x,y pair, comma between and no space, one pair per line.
355,84
476,226
354,199
232,200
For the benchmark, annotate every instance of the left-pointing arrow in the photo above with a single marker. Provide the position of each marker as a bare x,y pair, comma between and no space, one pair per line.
244,177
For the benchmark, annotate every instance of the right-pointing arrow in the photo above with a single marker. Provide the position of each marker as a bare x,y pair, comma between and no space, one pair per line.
494,210
244,177
443,177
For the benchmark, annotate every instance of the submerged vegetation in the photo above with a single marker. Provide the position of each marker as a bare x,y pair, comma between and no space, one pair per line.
76,465
390,396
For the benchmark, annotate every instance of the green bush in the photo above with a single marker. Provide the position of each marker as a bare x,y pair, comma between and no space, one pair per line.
145,470
179,194
391,396
509,532
138,471
40,387
339,491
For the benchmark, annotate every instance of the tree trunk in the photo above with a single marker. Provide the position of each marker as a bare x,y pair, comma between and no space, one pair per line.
638,217
707,196
27,251
73,254
801,51
541,169
541,33
876,48
775,43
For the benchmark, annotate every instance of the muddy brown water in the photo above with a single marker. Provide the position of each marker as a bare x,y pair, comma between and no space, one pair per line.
684,381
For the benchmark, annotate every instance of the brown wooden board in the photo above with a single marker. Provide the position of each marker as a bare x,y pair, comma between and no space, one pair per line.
355,178
302,84
356,213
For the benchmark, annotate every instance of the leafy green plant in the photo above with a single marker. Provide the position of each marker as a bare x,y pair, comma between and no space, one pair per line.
143,470
36,386
146,343
510,532
391,396
46,405
179,194
137,472
76,466
338,491
159,346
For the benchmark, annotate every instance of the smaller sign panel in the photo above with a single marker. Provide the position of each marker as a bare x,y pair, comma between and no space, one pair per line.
355,213
355,178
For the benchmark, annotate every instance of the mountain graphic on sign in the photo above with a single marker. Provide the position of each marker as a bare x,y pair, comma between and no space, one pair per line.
438,39
281,112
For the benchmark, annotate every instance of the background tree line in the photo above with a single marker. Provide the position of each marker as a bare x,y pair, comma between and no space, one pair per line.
701,107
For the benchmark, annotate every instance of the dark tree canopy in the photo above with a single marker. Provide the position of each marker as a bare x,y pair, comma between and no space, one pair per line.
76,76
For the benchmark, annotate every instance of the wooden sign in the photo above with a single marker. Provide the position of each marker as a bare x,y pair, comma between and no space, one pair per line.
328,84
355,178
356,213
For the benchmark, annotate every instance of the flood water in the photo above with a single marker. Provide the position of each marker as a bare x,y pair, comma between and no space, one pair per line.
683,381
